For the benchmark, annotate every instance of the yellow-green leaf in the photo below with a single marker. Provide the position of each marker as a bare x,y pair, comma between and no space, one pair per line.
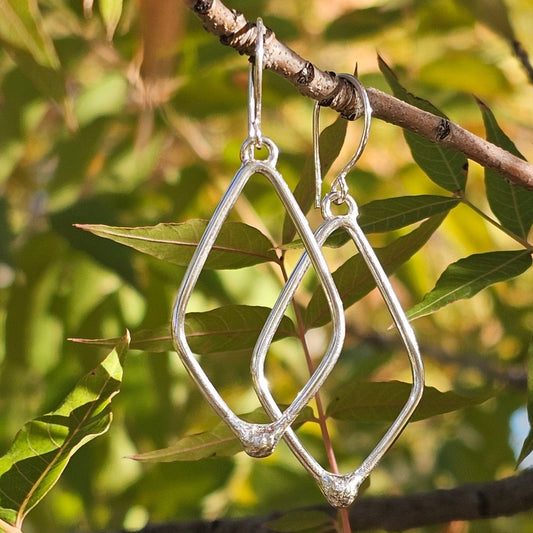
22,34
512,205
444,166
469,275
218,442
43,447
382,401
237,246
111,11
232,328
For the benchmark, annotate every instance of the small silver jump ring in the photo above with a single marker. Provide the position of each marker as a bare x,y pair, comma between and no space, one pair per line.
250,144
333,197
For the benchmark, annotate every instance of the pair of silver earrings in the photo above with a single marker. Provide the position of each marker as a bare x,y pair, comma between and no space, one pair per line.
259,440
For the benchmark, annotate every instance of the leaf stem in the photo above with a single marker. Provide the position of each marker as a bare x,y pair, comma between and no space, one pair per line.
8,528
496,224
343,513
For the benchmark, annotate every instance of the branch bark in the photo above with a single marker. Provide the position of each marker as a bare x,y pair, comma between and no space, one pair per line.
234,30
472,501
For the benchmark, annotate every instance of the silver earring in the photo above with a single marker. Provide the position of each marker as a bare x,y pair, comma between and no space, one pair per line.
341,489
258,440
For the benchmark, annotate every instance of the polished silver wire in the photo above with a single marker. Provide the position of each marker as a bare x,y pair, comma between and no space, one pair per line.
255,87
341,489
258,440
339,187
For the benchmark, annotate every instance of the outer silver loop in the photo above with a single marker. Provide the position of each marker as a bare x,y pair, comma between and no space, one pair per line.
335,197
340,489
248,151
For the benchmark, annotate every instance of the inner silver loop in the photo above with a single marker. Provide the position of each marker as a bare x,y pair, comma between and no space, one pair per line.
339,184
250,145
255,86
335,198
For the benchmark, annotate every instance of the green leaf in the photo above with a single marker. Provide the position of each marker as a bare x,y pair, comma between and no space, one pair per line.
469,275
527,447
330,144
300,520
354,280
362,23
111,10
512,205
222,330
444,166
43,447
382,401
21,28
462,71
395,213
493,13
237,246
22,34
218,442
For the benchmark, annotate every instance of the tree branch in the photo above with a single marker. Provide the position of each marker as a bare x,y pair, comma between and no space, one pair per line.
234,30
472,501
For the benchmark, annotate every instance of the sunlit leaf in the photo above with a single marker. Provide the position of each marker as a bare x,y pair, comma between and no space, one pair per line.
511,204
462,71
354,280
395,213
111,10
21,27
22,34
382,401
445,167
43,447
237,246
222,330
468,276
493,13
527,446
330,144
106,97
362,23
218,442
301,520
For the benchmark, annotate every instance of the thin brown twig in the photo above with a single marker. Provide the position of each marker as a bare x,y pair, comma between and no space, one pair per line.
326,87
471,501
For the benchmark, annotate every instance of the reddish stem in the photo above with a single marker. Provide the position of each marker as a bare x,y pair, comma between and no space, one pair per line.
322,419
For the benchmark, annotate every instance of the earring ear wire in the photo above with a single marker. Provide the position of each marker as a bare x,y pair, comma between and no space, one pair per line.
339,186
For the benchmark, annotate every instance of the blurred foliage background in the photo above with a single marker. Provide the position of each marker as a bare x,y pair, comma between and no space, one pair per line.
141,123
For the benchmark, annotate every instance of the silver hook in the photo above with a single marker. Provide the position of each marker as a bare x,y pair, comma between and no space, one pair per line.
339,187
255,87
